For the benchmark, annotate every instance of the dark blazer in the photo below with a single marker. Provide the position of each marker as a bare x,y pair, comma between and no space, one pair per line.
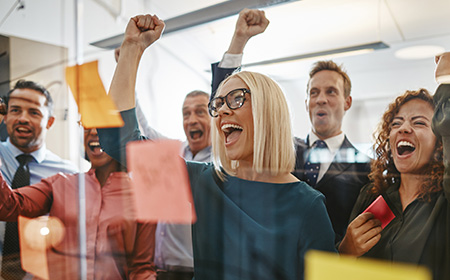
341,183
343,180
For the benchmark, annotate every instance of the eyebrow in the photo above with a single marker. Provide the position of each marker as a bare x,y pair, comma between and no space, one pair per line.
413,118
197,106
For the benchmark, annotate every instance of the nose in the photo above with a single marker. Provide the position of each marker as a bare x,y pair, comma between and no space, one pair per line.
192,119
224,109
23,117
405,128
321,98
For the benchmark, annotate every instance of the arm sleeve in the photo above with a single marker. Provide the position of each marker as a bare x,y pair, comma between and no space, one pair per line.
319,234
30,201
114,140
142,264
218,75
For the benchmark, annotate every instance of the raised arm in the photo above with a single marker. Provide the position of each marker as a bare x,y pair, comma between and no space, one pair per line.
441,118
141,32
250,23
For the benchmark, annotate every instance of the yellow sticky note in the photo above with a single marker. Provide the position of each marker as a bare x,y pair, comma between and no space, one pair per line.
96,108
160,181
325,266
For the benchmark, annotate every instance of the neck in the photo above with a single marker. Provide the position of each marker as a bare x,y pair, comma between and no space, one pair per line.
246,172
409,188
102,173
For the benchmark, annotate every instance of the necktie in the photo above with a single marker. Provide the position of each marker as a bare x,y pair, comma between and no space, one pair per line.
11,268
312,164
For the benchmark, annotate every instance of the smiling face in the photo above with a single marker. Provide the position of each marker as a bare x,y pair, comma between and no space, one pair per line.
411,139
326,103
197,122
27,119
96,155
235,127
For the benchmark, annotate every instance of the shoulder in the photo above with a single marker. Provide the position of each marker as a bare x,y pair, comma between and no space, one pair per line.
196,167
54,160
304,193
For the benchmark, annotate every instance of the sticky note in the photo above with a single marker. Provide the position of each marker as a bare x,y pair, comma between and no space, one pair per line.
96,108
160,181
325,266
381,211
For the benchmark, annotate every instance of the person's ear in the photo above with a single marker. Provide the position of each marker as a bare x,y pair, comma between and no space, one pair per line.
348,103
50,122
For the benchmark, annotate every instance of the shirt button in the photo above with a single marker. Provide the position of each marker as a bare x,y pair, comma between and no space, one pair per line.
162,233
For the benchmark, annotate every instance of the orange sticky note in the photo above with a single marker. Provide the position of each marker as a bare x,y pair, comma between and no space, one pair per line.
96,108
161,184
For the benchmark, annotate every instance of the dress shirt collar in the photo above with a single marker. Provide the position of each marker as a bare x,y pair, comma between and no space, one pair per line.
38,155
203,155
333,143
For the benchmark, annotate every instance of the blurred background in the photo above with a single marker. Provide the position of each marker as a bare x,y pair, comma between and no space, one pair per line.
39,38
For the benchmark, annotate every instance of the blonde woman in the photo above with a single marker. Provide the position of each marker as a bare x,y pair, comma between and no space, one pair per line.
254,219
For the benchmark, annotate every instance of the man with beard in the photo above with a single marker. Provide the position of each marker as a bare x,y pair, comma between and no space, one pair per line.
28,116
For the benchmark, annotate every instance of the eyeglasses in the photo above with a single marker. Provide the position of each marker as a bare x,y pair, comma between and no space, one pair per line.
234,99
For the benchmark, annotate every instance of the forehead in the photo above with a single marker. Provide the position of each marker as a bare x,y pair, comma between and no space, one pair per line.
195,101
326,78
415,107
231,84
26,97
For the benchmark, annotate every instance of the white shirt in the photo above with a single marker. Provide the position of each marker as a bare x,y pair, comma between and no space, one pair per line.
333,144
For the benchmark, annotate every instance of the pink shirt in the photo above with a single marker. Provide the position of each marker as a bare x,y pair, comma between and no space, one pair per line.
118,247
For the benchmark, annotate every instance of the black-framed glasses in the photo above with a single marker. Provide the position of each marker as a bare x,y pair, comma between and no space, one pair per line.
234,99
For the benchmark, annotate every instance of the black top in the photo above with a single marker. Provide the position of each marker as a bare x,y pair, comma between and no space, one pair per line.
418,235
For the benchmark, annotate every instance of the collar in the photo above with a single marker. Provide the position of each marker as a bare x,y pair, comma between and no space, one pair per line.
39,154
333,143
202,155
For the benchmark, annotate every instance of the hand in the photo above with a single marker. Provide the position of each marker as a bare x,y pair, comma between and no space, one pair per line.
143,30
362,234
442,64
249,24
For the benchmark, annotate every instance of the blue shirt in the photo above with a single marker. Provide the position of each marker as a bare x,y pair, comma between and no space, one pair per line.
173,242
44,164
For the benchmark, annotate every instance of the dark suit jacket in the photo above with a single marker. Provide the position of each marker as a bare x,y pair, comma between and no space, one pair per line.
342,181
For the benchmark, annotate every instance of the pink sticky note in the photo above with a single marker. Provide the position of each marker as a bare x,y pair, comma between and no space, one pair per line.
161,184
381,211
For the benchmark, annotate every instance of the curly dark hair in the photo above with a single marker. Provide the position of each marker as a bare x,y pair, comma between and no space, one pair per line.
383,171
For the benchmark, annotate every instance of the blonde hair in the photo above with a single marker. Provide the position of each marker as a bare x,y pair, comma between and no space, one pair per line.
273,146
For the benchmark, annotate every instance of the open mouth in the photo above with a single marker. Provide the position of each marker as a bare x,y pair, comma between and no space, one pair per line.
195,134
231,131
94,146
22,129
405,148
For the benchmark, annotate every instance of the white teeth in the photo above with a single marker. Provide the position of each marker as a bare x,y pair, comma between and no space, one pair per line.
405,143
22,129
94,143
229,125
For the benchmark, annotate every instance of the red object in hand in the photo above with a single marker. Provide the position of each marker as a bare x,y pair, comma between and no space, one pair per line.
381,211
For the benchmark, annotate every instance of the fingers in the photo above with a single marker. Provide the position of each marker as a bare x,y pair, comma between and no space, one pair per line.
362,234
442,65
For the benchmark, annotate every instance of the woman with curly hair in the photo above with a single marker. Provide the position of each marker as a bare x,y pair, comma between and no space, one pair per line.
408,172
